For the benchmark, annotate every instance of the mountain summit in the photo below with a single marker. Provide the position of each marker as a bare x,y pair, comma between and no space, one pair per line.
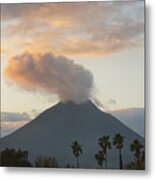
54,130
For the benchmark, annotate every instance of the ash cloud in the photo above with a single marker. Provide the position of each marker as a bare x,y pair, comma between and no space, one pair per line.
53,74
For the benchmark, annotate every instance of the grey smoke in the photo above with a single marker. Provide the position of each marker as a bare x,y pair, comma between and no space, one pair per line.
53,74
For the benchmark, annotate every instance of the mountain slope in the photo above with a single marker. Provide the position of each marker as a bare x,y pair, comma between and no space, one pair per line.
54,130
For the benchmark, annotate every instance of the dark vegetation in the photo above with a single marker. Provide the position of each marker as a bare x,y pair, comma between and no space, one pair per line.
49,162
77,150
19,158
14,158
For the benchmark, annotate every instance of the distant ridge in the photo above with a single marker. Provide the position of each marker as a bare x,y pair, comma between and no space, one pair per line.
133,118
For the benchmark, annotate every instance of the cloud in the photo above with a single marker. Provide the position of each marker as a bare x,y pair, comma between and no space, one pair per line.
83,28
12,117
53,74
9,127
112,102
11,121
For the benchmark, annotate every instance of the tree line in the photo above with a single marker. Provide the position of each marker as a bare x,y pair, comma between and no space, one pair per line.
104,143
19,158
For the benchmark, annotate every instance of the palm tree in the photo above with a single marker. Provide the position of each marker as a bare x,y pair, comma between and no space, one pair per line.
105,144
100,158
77,150
136,147
118,143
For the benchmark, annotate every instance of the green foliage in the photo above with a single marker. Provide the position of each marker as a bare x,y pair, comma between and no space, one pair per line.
105,144
133,164
118,143
15,158
77,150
137,147
19,158
100,157
49,162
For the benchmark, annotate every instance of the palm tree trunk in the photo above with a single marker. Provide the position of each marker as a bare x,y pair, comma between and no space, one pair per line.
138,159
101,166
106,164
138,162
78,164
120,160
106,161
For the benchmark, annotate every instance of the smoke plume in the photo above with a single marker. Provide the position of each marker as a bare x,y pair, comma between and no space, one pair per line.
46,72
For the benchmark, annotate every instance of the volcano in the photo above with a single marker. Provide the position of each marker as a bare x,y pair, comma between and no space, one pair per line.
54,130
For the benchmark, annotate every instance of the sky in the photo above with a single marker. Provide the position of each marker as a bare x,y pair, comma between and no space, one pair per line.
52,51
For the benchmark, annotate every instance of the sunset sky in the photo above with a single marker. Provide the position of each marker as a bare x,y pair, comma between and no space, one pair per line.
106,38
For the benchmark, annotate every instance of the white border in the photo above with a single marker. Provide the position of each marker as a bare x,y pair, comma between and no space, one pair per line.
26,1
